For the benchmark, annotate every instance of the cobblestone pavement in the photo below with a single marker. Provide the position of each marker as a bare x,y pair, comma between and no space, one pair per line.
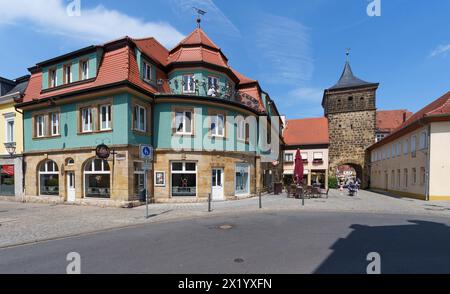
28,222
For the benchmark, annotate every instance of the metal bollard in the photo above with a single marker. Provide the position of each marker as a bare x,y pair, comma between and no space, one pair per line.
209,202
260,201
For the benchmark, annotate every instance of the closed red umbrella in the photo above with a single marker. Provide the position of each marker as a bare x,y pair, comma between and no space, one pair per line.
298,168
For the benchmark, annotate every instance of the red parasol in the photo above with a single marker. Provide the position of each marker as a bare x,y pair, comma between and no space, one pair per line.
298,169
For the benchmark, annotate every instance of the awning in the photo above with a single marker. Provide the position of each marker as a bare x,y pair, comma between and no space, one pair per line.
8,170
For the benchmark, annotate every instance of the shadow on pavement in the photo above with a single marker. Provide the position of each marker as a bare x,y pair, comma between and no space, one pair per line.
422,247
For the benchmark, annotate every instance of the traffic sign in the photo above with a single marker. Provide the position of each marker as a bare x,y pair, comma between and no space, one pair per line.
146,152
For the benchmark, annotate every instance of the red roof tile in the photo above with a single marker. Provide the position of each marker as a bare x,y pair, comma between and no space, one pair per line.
242,79
197,37
308,131
153,49
116,66
437,107
389,120
198,54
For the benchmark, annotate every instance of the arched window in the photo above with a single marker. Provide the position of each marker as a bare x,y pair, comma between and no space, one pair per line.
97,179
48,178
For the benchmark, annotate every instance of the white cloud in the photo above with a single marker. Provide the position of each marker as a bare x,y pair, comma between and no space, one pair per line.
440,50
214,17
97,24
284,45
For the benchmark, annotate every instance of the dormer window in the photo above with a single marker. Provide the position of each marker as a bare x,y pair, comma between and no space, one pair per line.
147,71
52,78
84,69
67,74
188,84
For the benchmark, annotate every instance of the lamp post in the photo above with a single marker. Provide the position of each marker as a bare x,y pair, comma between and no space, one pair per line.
10,148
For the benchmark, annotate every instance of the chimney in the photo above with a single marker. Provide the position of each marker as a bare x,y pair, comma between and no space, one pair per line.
404,116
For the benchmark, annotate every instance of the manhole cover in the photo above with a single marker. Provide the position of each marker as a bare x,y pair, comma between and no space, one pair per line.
238,260
225,227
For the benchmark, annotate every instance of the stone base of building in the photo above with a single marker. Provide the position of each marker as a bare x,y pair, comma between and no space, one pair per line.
177,177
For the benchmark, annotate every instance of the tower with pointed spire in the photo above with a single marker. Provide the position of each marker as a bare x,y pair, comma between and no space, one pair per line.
350,107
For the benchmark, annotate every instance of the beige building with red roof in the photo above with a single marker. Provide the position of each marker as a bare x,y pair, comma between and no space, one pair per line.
414,160
310,135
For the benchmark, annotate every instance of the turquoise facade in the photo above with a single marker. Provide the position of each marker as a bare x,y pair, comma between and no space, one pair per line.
201,140
92,58
121,133
176,81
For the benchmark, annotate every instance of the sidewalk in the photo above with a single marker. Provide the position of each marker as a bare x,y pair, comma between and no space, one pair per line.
29,222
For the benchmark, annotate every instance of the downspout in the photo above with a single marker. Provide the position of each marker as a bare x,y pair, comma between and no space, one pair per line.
427,168
22,157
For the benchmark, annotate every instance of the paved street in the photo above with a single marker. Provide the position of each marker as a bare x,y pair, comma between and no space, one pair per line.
264,242
24,223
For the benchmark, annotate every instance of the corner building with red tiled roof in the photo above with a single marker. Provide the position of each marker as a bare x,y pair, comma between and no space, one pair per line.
187,103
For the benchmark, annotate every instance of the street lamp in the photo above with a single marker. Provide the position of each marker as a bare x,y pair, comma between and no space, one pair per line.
10,148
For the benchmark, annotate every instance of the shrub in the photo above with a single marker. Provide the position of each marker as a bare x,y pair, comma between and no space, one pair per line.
332,183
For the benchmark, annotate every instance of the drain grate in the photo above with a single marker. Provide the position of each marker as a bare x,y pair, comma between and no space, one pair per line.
239,260
225,227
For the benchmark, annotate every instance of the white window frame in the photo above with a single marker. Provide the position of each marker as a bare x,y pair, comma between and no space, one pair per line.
68,73
87,111
291,157
318,156
189,86
405,147
184,171
54,124
92,171
53,77
140,112
241,129
9,131
47,172
184,119
215,118
40,125
147,73
84,71
211,80
108,114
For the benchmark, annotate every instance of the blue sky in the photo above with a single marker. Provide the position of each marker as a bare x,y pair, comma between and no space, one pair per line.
294,48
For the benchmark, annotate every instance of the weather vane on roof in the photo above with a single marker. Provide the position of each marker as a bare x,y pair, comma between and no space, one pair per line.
199,15
347,52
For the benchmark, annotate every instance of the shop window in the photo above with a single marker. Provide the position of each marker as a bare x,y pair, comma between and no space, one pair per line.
48,178
7,180
184,178
242,179
97,176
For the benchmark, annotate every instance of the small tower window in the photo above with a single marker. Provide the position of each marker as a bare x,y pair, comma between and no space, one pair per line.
350,98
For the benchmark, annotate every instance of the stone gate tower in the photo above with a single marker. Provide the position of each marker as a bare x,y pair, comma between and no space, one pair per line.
350,107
